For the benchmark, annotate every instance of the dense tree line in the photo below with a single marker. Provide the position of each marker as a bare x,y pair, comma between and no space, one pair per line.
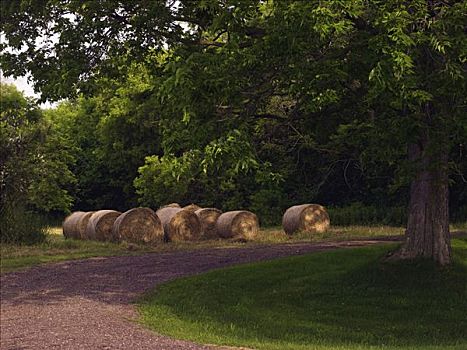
256,104
35,161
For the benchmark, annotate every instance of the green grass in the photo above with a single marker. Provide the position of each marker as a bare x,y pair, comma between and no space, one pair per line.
56,248
344,299
459,226
335,233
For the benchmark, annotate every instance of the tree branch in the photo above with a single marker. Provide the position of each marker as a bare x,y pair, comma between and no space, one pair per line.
270,116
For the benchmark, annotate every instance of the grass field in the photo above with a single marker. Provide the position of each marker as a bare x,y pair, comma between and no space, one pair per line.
57,248
345,299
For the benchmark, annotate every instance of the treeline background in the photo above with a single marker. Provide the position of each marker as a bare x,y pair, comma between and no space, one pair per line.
254,105
112,151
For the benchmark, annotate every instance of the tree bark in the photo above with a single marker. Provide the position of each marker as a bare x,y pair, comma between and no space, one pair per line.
427,234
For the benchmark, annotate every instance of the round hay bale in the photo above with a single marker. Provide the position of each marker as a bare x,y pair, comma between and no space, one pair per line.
82,224
69,226
171,205
192,207
179,225
239,224
100,225
138,225
208,218
307,218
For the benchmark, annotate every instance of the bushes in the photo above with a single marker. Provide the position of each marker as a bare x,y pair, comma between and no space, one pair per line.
34,170
361,214
459,215
20,226
269,205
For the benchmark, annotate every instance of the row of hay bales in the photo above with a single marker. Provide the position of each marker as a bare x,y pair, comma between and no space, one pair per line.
169,223
191,223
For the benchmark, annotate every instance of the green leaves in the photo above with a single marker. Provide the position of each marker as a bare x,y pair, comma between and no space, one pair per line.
233,151
167,178
171,178
253,99
34,158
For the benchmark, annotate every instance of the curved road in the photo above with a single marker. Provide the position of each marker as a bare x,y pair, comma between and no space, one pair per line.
87,304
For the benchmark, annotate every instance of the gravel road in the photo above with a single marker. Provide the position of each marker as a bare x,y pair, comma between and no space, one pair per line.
87,304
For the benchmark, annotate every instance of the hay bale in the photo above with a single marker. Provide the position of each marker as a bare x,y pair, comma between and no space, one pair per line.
192,207
82,224
69,226
208,218
171,205
239,224
138,225
306,218
100,225
179,224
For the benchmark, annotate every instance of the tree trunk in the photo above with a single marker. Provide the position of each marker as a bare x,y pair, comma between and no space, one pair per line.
427,234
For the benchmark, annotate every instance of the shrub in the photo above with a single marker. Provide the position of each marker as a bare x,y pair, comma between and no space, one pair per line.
21,226
269,205
361,214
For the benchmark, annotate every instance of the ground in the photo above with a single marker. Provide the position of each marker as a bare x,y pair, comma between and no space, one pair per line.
89,303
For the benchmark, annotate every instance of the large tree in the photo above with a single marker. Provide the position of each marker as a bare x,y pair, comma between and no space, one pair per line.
382,76
420,74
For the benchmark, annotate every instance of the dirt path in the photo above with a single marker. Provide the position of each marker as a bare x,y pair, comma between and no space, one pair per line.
87,304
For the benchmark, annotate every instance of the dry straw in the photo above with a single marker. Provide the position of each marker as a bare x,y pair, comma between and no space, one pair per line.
306,218
69,226
100,225
171,205
239,224
138,225
208,218
179,225
192,207
82,224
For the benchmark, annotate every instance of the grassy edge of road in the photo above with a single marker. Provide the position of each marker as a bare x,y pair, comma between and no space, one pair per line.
56,248
341,299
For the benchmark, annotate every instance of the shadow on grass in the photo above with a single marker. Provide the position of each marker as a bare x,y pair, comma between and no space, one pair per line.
119,280
341,298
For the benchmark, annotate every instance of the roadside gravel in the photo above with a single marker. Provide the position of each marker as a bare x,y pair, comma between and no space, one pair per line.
87,304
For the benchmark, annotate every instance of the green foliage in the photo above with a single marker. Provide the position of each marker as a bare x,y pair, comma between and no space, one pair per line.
345,299
77,123
34,159
111,135
20,226
269,204
225,174
34,172
360,214
247,104
166,179
459,215
52,178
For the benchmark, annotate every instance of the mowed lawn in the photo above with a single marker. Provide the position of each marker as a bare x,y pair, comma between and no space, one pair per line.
344,299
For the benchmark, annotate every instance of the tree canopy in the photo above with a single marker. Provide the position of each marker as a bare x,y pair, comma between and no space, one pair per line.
257,104
34,167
